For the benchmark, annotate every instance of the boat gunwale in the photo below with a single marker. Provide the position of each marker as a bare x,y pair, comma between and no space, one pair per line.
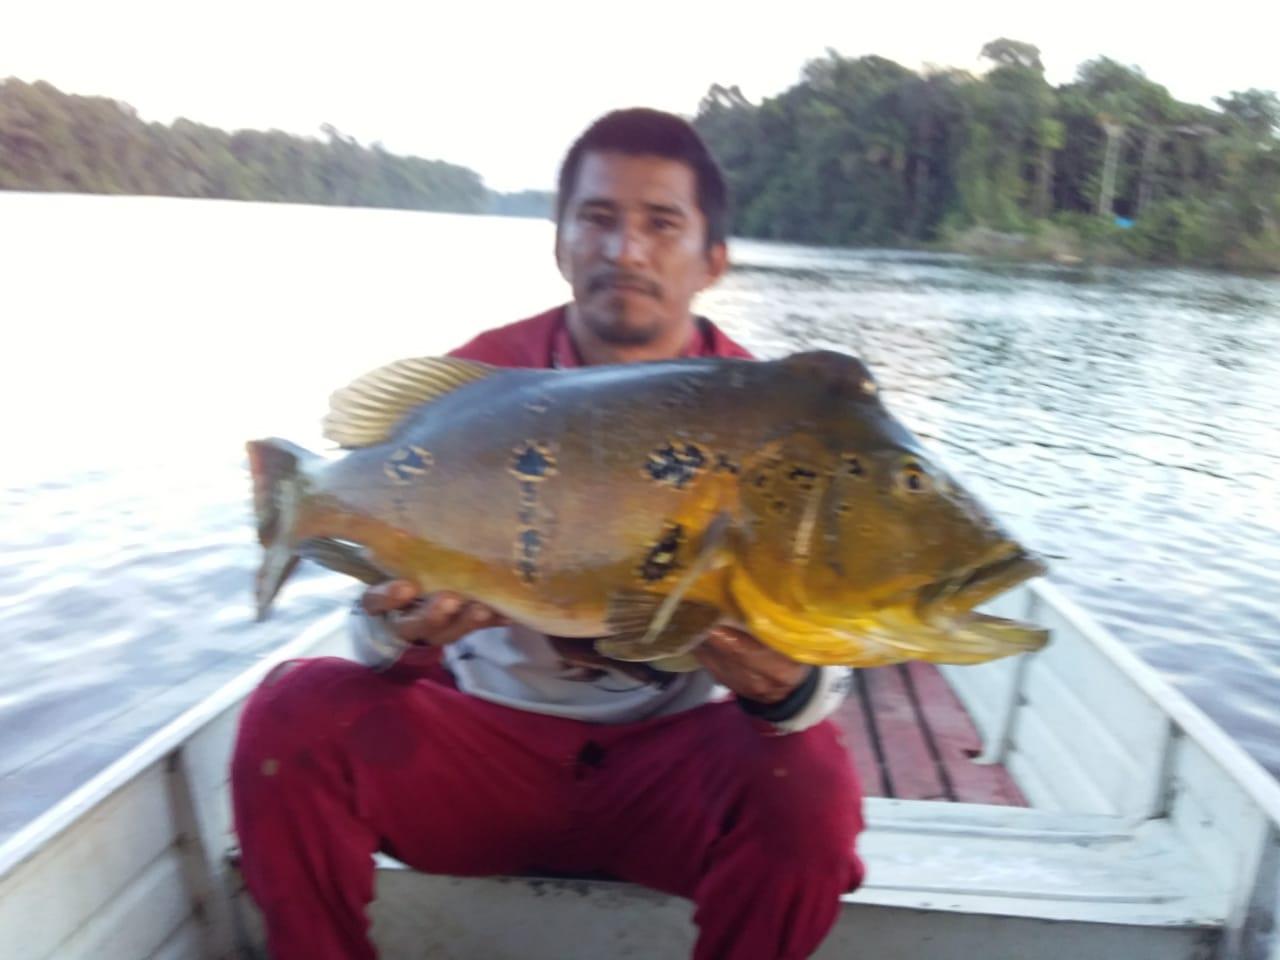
31,838
1262,788
1253,779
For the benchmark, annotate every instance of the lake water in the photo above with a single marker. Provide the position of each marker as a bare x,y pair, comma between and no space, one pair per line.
1123,421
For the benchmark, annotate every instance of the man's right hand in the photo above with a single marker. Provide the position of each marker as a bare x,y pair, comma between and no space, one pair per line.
434,619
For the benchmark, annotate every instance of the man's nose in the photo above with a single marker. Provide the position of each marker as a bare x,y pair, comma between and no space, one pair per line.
628,246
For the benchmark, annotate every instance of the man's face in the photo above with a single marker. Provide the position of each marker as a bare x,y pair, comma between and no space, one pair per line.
632,244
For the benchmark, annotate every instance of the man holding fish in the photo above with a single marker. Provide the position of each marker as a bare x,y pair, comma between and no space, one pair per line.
546,699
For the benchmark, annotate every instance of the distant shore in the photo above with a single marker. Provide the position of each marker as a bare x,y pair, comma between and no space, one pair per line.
861,153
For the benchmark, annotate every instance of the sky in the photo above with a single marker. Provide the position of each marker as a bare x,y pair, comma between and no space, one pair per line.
504,88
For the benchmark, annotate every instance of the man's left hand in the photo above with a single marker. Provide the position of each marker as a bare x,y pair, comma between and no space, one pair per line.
747,667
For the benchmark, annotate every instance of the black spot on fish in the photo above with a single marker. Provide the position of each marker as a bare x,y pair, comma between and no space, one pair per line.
779,507
527,549
529,541
406,463
528,512
725,465
533,462
661,558
803,477
676,464
766,474
852,465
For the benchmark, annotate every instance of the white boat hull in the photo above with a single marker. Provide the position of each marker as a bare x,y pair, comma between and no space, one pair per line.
1151,836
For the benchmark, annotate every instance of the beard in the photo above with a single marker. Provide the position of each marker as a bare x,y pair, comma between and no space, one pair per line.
619,317
619,326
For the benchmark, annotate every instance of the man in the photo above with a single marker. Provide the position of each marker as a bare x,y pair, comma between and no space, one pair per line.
478,747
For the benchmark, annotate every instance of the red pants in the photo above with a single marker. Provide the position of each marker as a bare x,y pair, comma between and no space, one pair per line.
334,762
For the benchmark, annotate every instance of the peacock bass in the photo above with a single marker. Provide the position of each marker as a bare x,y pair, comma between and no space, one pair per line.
641,504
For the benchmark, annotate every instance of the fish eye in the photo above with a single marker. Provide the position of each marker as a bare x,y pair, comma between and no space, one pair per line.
912,478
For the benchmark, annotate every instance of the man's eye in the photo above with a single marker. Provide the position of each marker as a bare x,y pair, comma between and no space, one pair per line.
597,218
666,224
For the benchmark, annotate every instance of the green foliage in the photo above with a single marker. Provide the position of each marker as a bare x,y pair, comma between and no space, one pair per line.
860,152
1255,112
863,151
1173,231
54,141
1013,53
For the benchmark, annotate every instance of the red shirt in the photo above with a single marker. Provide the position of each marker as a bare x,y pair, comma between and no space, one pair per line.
544,341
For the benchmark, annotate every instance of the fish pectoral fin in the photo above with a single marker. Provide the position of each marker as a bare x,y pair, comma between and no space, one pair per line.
366,411
650,626
642,629
348,558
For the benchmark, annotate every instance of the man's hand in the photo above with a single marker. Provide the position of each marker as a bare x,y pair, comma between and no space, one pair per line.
747,667
433,620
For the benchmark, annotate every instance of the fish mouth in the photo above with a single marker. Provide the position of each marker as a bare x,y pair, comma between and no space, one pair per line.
1008,566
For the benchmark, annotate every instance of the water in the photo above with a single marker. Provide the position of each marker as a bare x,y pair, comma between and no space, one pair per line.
1124,421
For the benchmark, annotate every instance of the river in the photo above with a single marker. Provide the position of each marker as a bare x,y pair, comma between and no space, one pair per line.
1124,422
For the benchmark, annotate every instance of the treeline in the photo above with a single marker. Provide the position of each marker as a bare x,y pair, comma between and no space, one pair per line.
55,141
866,152
859,152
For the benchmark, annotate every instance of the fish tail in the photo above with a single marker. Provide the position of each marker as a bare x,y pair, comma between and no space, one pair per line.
277,469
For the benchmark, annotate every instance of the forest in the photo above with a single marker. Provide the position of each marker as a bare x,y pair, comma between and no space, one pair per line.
864,152
860,152
50,140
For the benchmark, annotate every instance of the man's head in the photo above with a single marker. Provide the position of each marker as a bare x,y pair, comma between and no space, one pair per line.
640,228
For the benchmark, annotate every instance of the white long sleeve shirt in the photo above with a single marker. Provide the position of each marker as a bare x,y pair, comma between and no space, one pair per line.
518,667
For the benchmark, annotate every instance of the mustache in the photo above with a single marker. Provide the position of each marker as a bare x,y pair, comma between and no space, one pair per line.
609,279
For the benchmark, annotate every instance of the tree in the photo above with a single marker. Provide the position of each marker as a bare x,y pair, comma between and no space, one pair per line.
55,141
1257,112
1013,53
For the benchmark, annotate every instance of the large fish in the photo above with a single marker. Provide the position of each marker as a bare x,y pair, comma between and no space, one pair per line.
641,504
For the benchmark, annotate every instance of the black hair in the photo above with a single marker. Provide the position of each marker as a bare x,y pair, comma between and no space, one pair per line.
639,131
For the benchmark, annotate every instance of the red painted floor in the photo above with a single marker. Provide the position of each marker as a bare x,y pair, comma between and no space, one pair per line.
911,738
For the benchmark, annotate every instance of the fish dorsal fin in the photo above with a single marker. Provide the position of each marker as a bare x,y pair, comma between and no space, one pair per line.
366,411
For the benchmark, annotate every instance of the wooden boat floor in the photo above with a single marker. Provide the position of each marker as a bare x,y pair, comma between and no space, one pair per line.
911,739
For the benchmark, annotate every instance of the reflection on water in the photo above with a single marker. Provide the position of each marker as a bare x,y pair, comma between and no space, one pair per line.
1122,420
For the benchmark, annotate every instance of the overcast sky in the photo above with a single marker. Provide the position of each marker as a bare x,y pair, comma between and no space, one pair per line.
504,89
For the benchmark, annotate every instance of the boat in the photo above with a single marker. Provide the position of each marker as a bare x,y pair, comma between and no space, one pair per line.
1112,820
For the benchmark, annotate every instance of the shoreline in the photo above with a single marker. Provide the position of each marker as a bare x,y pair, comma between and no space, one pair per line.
1047,241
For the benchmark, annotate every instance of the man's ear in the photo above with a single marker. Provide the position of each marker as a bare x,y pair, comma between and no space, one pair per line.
717,263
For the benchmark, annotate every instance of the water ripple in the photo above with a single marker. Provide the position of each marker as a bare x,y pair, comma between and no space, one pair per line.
1124,421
